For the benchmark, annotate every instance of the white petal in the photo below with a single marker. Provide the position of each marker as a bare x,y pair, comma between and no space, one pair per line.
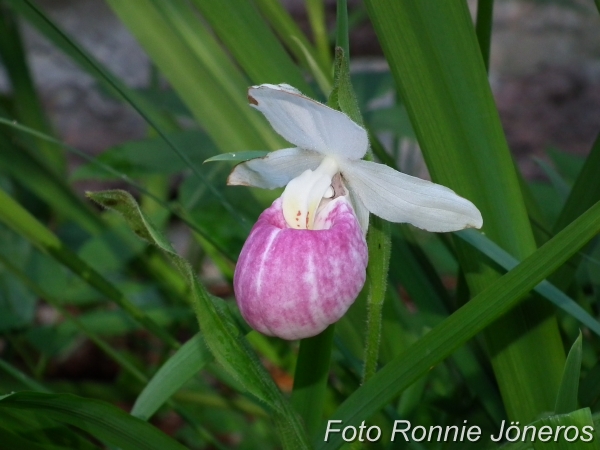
361,211
309,124
398,197
274,170
303,195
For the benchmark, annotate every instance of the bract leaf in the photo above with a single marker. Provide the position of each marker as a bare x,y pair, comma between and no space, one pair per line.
398,197
238,156
307,123
274,170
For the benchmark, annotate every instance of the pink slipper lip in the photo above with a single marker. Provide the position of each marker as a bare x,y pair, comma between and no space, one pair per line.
294,283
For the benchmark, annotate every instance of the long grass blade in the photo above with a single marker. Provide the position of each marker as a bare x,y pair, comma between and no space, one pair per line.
486,307
436,61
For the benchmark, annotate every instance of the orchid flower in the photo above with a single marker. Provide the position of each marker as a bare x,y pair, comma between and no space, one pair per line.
305,260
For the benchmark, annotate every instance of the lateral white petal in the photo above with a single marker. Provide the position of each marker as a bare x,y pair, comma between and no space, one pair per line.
360,210
274,170
398,197
309,124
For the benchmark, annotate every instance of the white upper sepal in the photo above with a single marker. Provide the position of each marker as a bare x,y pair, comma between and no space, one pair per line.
308,124
274,170
398,197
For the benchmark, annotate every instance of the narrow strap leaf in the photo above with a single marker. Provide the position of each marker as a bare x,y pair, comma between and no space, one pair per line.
224,339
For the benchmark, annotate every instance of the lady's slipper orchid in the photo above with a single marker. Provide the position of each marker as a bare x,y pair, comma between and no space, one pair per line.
304,262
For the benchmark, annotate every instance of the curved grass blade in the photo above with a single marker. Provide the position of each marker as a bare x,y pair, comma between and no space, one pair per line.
102,420
482,310
174,373
545,288
21,221
224,339
566,401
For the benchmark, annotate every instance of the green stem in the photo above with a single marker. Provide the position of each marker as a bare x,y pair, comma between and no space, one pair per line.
483,29
310,379
342,39
379,243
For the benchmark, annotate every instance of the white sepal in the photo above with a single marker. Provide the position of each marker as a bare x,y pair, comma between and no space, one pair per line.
274,170
398,197
308,124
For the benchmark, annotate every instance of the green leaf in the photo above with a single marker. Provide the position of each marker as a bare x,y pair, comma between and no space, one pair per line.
173,374
238,156
482,310
48,186
102,420
561,187
315,10
566,401
222,336
10,441
148,156
552,430
483,28
436,61
199,70
580,420
32,428
311,377
291,35
27,106
584,193
545,289
20,220
252,43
